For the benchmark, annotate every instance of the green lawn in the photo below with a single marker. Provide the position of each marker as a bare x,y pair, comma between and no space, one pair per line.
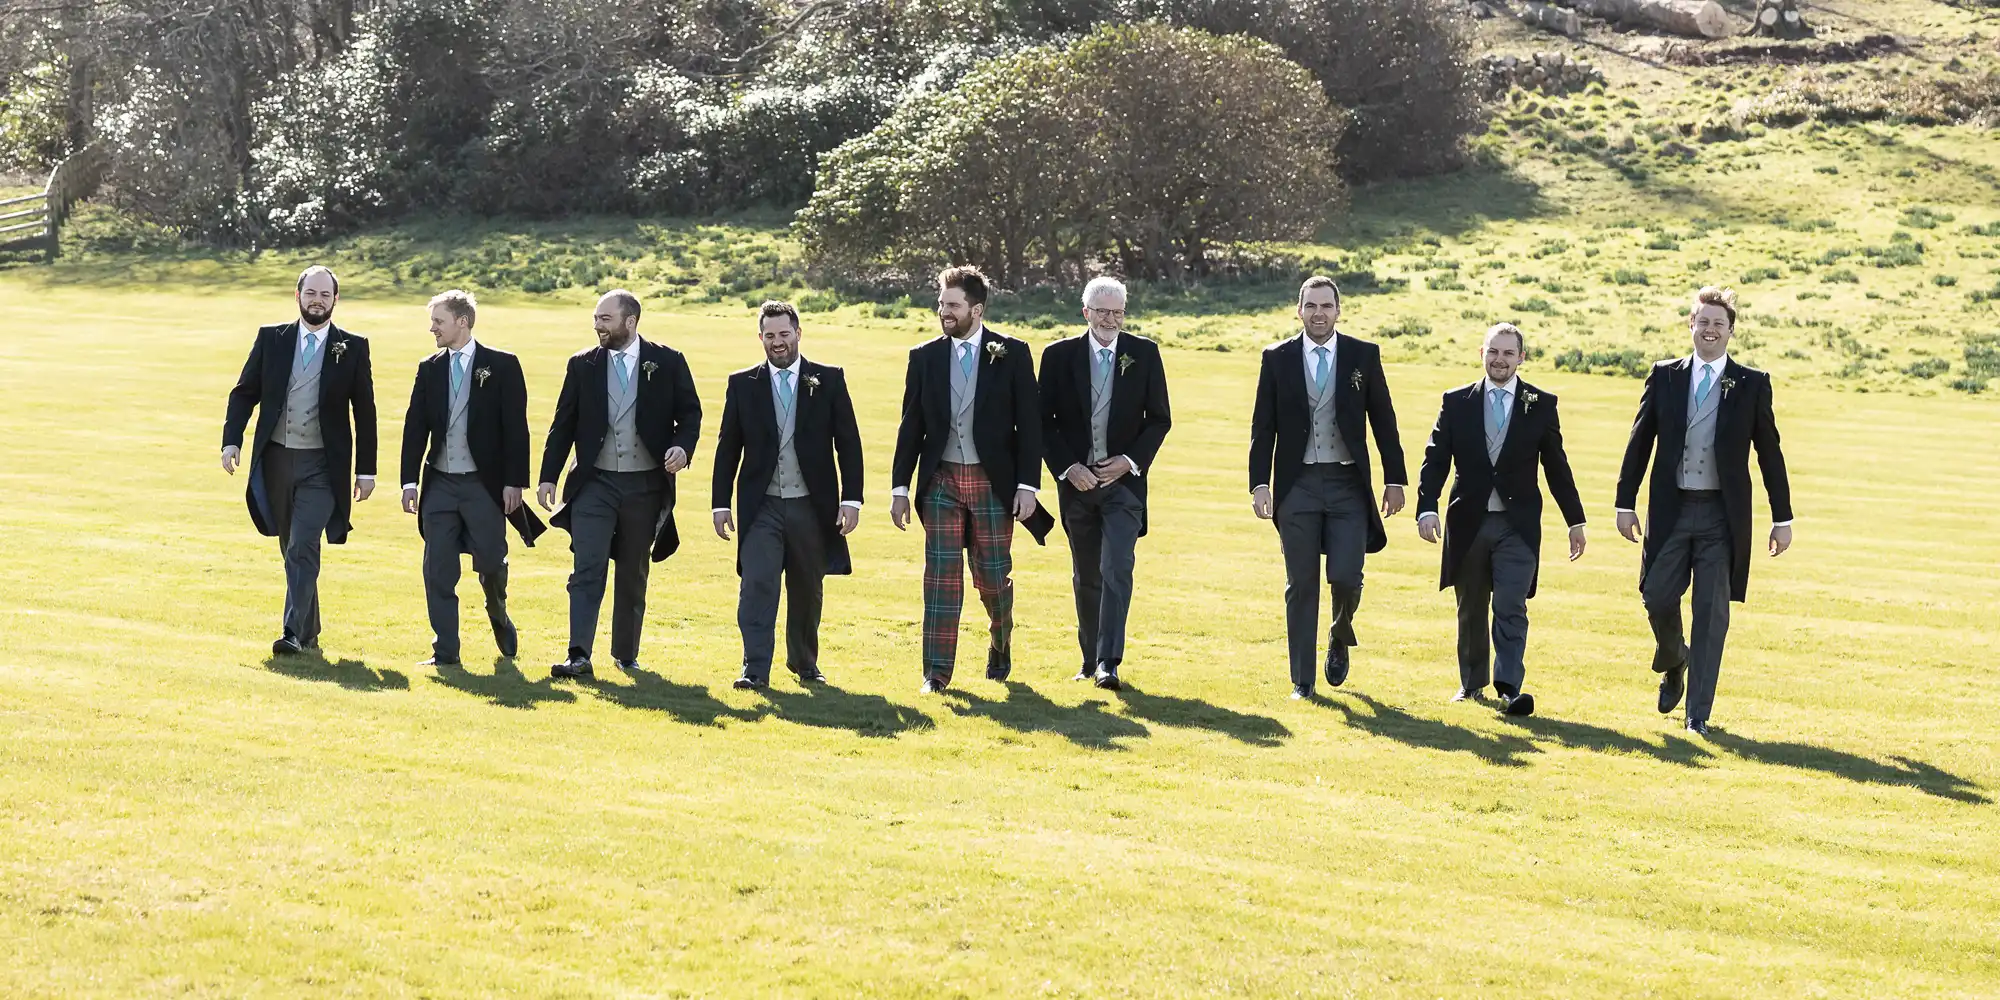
182,817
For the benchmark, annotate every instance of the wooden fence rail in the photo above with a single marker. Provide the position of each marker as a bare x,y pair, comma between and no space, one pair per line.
35,220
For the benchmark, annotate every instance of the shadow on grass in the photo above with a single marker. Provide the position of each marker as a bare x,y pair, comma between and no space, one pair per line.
1025,710
1597,739
1898,771
690,704
353,675
828,707
1388,721
505,687
1190,713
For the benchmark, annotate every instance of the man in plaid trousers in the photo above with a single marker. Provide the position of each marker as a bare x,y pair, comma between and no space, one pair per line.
972,434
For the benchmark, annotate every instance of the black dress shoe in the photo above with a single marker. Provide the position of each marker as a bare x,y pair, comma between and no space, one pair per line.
1470,694
437,662
1302,692
998,665
1699,727
626,665
1673,684
1522,704
1084,673
575,666
810,675
1505,690
1107,677
508,641
935,685
286,646
1336,664
748,684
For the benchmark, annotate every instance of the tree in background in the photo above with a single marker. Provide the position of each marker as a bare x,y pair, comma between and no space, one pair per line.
1145,144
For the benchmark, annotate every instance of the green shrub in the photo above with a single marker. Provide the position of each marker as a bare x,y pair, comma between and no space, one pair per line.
1927,368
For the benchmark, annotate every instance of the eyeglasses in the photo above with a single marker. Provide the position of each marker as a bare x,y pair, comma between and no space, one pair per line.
1107,313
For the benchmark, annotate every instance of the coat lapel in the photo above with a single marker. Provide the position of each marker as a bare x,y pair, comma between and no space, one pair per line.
1725,408
937,368
1517,416
334,335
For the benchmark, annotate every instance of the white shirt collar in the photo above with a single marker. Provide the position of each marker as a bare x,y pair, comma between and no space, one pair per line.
1718,364
1307,342
466,351
972,338
1512,384
630,350
798,368
1097,346
317,331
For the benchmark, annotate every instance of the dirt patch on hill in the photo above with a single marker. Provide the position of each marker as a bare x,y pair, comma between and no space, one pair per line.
1800,53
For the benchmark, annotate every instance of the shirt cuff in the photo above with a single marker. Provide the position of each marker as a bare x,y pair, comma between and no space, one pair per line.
1135,466
856,504
365,479
407,486
1575,526
1781,524
1625,510
1032,489
718,510
900,491
1260,486
1433,515
1400,486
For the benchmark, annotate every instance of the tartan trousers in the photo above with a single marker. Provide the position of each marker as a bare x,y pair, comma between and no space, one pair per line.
960,512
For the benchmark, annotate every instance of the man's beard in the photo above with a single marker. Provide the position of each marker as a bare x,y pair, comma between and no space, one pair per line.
315,314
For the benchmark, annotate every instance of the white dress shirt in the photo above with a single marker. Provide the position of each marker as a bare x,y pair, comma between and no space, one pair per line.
798,369
1718,366
465,353
959,345
319,332
1332,377
1097,350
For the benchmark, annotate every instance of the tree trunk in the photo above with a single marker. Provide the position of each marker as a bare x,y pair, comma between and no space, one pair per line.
78,108
1547,18
1779,19
1693,18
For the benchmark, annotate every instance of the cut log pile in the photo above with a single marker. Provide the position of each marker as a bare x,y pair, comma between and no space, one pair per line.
1779,19
1692,18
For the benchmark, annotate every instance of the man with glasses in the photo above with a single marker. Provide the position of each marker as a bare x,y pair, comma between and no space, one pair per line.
1104,416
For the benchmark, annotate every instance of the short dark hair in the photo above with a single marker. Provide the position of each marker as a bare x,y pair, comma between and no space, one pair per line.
1320,281
774,307
966,278
628,303
308,272
1713,296
1502,329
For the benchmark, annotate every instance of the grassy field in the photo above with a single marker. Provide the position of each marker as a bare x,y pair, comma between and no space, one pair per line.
183,817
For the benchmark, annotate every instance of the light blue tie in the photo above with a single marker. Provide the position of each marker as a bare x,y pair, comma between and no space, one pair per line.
457,372
306,356
624,374
1707,383
1320,373
785,391
1501,411
1103,372
965,359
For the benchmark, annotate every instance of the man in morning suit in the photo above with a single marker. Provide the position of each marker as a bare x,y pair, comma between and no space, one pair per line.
1496,430
1317,394
1705,412
628,409
972,435
1104,416
303,378
465,443
790,442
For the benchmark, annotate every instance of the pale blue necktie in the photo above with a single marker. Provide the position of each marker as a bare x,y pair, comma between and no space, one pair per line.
1501,411
457,372
1320,373
965,359
785,391
1103,385
1707,383
624,374
306,356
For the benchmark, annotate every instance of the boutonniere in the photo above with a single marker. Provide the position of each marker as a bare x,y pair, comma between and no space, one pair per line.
1355,381
479,377
339,348
995,350
1124,362
812,382
649,368
1727,384
1528,401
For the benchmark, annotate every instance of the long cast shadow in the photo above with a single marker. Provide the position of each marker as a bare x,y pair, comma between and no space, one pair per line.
1899,771
1190,713
1583,736
1025,710
687,703
1387,721
829,707
507,687
353,675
